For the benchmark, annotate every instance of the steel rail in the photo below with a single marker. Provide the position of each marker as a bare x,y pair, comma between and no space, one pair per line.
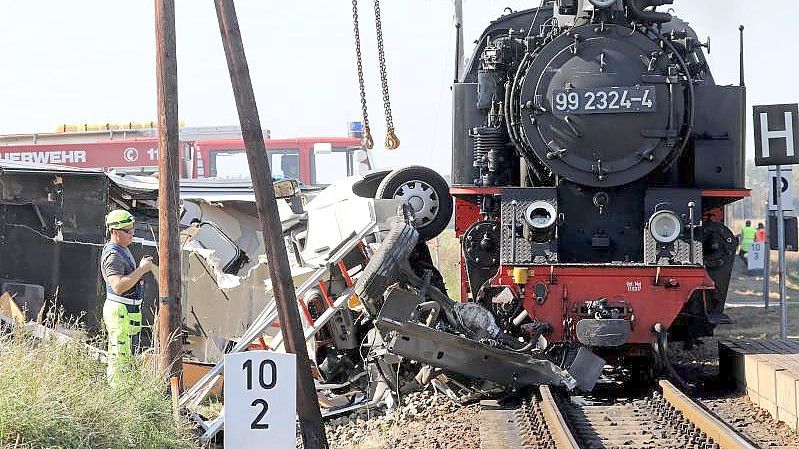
561,434
724,435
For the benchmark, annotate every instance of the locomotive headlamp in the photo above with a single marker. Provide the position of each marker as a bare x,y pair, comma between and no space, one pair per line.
540,215
603,3
664,226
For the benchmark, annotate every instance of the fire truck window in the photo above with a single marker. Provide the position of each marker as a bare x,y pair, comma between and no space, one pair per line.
285,166
230,164
330,167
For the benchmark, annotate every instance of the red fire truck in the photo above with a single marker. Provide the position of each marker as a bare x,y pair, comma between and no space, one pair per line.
205,153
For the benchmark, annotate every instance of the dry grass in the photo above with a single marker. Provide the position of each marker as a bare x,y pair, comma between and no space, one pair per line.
55,395
758,322
449,259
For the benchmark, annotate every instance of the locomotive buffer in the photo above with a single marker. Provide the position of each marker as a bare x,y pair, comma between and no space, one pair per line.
776,133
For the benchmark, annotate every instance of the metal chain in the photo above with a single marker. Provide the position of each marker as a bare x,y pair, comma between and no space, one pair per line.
392,141
368,142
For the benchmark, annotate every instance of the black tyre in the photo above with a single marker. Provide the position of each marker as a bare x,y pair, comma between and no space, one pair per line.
421,261
383,267
426,192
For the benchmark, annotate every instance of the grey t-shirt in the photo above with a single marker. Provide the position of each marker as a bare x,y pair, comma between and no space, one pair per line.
114,264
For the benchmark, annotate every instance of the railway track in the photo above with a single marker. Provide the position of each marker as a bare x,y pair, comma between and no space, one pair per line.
665,418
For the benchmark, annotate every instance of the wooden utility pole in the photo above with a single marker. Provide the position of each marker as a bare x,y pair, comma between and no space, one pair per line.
169,314
313,434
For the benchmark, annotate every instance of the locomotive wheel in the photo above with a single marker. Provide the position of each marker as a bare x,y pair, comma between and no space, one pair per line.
426,192
383,267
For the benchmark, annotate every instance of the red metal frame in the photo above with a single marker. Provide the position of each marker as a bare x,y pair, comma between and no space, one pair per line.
727,193
651,294
305,312
345,274
654,294
325,293
456,191
466,214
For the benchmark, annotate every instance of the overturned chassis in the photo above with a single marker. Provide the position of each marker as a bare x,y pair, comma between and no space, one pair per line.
418,321
593,157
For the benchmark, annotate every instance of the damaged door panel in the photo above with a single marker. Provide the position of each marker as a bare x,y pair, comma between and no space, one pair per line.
231,257
225,287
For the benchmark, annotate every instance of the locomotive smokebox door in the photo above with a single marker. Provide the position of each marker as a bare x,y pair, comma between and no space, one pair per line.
604,107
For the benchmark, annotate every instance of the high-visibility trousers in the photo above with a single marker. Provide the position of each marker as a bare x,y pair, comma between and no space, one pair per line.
123,324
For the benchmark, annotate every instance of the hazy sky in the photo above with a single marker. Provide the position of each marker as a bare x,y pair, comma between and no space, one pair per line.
94,61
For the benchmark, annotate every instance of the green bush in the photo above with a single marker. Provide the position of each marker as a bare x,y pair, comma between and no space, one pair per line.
55,395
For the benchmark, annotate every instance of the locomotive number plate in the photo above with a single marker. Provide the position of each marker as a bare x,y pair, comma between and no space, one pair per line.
604,100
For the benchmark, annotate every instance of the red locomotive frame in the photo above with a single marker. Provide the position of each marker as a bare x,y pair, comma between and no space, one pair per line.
649,295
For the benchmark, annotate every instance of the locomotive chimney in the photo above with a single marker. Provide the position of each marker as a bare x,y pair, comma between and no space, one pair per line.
741,30
458,39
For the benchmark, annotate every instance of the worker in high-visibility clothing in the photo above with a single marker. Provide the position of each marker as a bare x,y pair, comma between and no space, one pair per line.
124,290
747,237
760,233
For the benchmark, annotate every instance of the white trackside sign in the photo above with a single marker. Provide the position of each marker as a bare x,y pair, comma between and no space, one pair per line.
260,400
784,184
776,134
755,258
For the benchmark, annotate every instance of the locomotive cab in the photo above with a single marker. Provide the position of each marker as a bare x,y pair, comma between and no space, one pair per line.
593,155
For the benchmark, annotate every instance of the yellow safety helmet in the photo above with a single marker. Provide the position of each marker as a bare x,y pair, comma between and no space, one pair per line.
119,219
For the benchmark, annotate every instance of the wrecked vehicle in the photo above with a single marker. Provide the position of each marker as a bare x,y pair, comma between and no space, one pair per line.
224,268
418,321
53,219
368,291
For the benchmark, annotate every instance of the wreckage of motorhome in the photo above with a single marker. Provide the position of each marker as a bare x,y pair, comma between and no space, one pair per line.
368,291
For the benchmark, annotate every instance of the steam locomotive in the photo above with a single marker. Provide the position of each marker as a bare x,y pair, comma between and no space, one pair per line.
593,155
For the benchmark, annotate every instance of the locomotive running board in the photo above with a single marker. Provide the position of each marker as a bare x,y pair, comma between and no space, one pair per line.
197,393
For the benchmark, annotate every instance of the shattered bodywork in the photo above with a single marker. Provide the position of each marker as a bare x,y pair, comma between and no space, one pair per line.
369,299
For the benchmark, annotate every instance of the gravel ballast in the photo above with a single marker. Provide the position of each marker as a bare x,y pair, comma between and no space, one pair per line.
424,420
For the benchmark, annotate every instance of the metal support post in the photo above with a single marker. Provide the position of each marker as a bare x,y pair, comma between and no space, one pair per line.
169,313
781,249
310,417
767,265
767,251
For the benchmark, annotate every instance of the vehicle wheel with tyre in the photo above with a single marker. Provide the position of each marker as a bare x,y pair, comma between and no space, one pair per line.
426,192
384,265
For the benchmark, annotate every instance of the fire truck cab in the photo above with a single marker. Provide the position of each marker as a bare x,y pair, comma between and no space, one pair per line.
206,152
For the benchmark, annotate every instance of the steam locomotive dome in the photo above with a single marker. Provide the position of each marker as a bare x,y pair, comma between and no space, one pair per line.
604,110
